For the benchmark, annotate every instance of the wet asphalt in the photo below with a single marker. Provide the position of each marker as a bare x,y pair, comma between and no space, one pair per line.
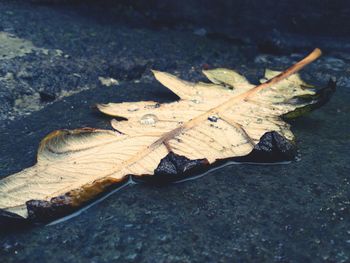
297,212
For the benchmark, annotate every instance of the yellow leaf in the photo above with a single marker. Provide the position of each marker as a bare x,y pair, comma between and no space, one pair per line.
210,122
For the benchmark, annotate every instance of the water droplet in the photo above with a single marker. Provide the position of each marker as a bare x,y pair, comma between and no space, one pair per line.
133,108
259,120
213,118
149,119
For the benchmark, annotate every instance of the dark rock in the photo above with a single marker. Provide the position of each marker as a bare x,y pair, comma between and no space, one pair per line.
173,168
46,97
271,148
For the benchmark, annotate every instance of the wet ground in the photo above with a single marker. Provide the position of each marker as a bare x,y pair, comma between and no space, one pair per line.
49,79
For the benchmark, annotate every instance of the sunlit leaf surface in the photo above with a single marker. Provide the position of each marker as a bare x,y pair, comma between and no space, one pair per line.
221,120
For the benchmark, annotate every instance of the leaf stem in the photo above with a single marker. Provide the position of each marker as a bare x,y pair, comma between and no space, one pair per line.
316,53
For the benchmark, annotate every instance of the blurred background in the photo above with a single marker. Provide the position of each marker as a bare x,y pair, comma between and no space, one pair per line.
274,25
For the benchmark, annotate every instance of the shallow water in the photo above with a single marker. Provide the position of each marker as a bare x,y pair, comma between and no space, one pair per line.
131,182
297,212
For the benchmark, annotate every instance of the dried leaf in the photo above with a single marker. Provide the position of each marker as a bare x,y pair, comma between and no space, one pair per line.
210,122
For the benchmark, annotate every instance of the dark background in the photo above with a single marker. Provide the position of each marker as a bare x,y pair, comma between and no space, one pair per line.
276,26
316,17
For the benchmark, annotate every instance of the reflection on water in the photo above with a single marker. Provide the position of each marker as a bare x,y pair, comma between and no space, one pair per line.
77,213
131,182
225,165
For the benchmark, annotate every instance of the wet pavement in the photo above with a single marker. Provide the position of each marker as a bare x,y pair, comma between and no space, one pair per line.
297,212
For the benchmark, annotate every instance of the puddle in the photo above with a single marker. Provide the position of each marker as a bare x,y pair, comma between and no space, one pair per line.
131,182
77,213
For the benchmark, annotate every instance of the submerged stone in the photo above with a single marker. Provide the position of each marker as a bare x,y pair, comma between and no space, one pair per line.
174,167
271,148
